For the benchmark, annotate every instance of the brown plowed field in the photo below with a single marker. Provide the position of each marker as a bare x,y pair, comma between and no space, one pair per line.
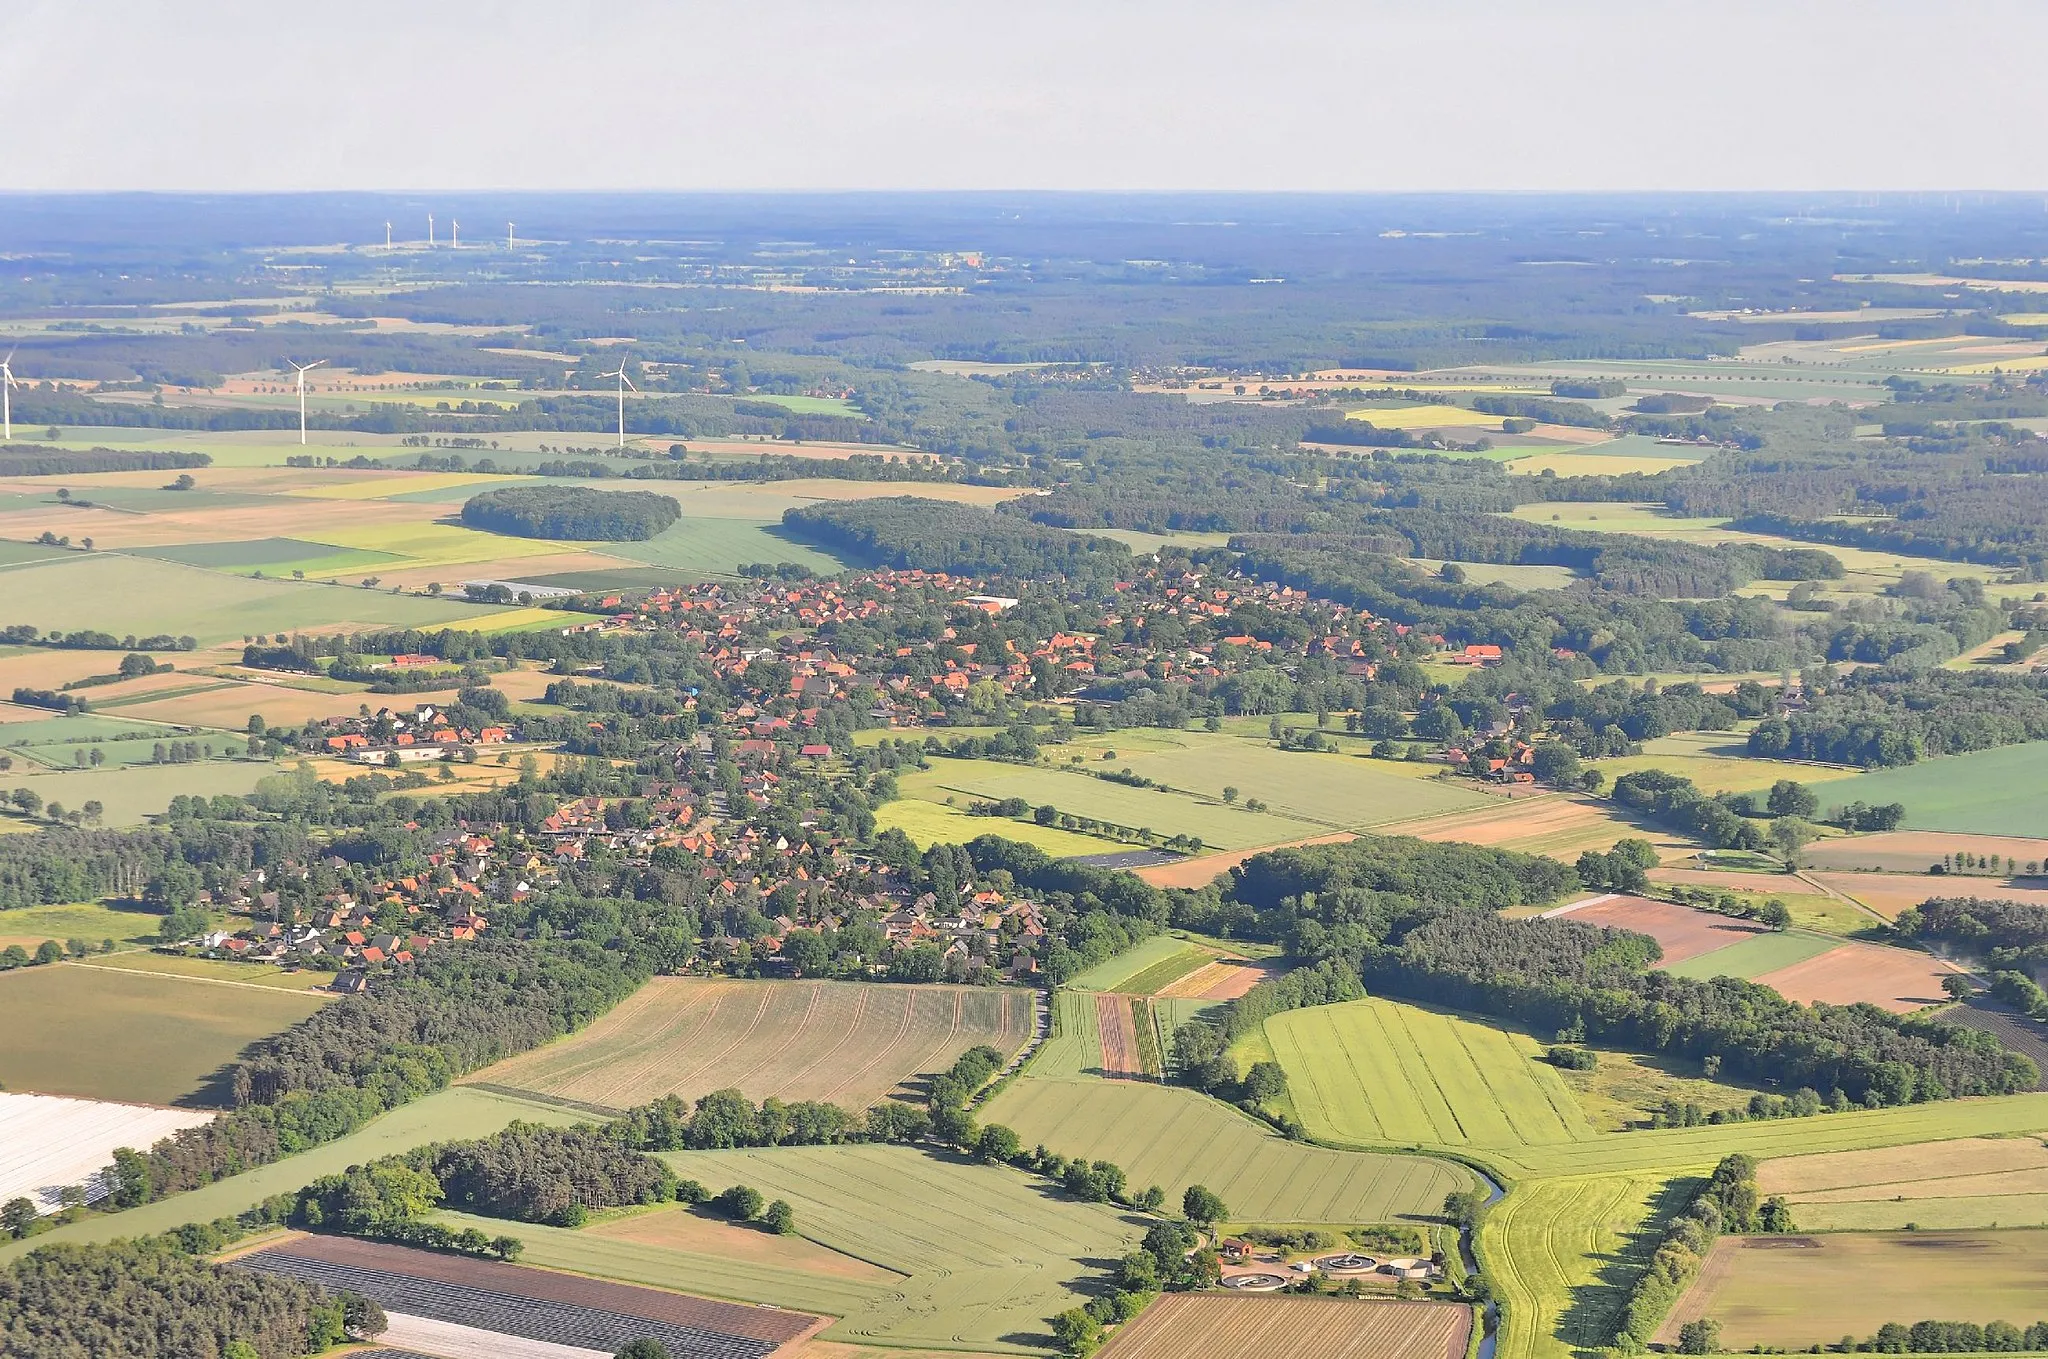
1894,979
1683,932
1200,872
1224,979
1890,893
1914,851
1119,1030
680,1309
1218,1326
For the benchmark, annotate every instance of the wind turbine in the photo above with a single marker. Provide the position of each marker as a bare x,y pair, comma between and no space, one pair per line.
430,231
454,234
304,368
624,383
387,235
7,386
508,236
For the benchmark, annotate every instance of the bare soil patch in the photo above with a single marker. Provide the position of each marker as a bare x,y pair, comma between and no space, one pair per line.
1224,979
1681,931
1891,893
1895,979
1119,1030
1272,1327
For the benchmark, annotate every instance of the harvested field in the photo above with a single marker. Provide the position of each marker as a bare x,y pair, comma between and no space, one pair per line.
537,1304
1205,869
1119,1031
673,1227
1221,1327
1680,931
849,1043
1803,1290
1915,851
134,1037
1886,1169
1223,979
1895,979
1562,826
1890,893
47,1143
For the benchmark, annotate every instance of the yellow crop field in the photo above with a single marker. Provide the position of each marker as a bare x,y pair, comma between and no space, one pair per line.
1425,417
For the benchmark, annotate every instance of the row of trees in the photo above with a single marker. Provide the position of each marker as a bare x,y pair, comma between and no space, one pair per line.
1727,1202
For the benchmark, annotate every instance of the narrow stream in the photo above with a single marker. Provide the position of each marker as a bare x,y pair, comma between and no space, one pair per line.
1490,1314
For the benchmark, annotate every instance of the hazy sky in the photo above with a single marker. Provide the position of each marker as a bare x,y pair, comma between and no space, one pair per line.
1099,94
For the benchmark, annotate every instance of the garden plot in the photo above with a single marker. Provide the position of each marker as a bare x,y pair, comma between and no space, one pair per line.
48,1143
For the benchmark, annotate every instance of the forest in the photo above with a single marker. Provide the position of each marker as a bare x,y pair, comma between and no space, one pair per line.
571,512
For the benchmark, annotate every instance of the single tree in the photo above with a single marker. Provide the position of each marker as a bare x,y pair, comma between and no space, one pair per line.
1201,1205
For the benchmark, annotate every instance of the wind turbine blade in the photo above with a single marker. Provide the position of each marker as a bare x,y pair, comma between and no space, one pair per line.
628,381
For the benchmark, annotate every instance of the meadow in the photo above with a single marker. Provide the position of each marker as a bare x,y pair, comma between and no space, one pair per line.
987,1253
1970,1182
31,925
847,1043
1804,1290
1138,808
1989,792
446,1115
931,823
1718,762
1373,1071
1756,955
1224,1327
100,1033
132,794
1333,791
1174,1137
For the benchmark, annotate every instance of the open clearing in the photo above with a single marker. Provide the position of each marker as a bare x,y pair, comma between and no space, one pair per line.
1174,1137
846,1043
47,1143
134,1037
1222,1327
1895,979
1372,1071
1756,955
1989,792
1915,852
987,1253
1681,931
133,793
1803,1290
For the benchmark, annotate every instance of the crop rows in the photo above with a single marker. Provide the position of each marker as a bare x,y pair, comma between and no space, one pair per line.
1225,1327
561,1323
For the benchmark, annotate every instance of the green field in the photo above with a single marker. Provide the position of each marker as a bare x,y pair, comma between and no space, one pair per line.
30,925
1375,1071
279,555
1219,827
1988,792
1718,762
1562,1255
1336,792
933,823
1174,1137
989,1253
217,969
721,546
122,594
1756,955
446,1115
1117,973
97,1033
134,793
1851,1283
847,1043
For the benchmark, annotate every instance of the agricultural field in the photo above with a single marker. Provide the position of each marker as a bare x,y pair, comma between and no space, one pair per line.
1202,869
1717,763
1376,1072
131,1037
1174,1137
1222,1327
1562,1255
985,1253
31,925
846,1043
266,975
1165,812
1895,979
131,794
1970,1182
46,1142
1334,791
1756,955
931,823
1914,852
446,1115
1989,792
1797,1291
1560,825
1682,932
1162,952
1890,893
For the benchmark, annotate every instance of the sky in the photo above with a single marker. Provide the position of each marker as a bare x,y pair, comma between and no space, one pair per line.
1350,95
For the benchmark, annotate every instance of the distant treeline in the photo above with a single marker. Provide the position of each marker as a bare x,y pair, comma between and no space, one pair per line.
909,533
29,460
571,512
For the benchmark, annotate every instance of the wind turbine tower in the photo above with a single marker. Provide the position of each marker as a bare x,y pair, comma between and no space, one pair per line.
430,231
624,383
509,238
304,368
387,235
7,386
454,234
